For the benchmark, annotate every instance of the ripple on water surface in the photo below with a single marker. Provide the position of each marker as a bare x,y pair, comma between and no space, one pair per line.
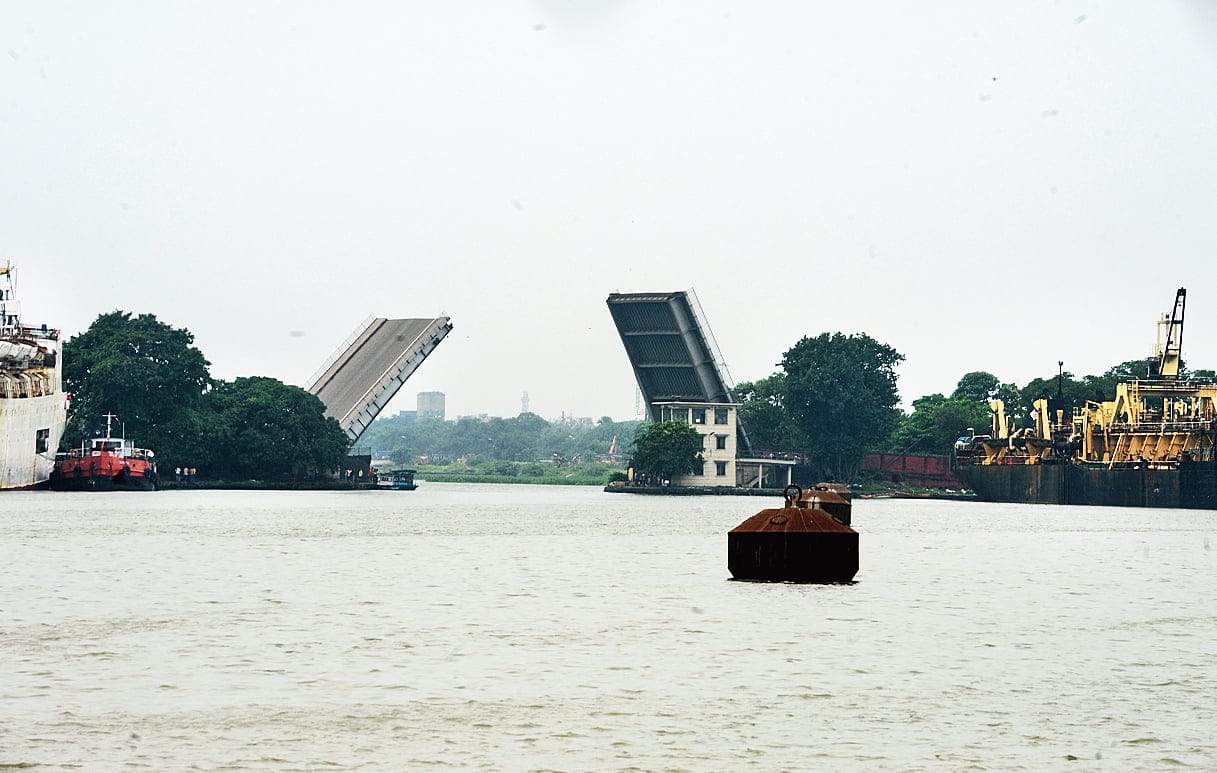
564,628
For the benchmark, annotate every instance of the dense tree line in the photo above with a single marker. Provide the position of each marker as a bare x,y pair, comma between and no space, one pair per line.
152,378
835,399
936,420
523,438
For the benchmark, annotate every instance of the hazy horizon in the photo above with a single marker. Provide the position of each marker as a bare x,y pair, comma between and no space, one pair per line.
978,185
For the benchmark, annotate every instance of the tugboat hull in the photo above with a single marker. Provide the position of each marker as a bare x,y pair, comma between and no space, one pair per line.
103,483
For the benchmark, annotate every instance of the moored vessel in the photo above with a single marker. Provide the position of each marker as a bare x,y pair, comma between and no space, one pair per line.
398,480
33,406
1150,446
106,463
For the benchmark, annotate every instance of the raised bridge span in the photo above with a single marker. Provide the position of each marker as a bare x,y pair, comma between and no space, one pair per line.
672,350
366,371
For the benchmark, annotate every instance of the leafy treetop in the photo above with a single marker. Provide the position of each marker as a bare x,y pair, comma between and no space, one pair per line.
666,448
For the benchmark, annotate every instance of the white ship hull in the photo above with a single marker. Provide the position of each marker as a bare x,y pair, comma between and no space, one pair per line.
33,406
27,423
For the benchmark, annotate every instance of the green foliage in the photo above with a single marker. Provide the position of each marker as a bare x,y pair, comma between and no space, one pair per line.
665,449
935,423
763,414
1063,392
153,378
977,386
1011,397
1129,370
593,474
523,438
260,428
147,373
841,397
935,420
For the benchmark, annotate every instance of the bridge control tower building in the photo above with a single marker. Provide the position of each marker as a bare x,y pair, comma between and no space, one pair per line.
682,376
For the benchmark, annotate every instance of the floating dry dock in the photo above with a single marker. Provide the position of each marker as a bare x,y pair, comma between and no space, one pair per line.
807,540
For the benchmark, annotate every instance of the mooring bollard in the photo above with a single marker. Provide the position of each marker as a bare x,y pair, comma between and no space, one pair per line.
807,540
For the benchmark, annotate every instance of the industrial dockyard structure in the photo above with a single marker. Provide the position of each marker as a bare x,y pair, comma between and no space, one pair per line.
1152,445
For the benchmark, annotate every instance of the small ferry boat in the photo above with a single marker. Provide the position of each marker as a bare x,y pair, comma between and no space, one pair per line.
398,480
105,464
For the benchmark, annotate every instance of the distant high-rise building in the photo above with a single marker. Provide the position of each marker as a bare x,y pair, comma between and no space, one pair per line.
430,405
524,403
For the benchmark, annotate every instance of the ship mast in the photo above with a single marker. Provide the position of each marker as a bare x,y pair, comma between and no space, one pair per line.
10,309
109,418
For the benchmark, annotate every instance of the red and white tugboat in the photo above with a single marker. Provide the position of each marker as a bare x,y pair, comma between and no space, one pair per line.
105,464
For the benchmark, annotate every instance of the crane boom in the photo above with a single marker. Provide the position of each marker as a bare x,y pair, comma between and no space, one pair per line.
1169,352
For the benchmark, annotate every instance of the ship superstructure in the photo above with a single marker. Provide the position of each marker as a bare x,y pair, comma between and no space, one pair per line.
33,406
1152,445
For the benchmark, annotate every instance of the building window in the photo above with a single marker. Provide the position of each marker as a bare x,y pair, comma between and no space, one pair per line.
720,441
720,468
699,467
699,415
720,415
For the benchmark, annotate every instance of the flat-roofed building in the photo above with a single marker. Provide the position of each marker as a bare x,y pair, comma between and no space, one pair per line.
431,405
722,464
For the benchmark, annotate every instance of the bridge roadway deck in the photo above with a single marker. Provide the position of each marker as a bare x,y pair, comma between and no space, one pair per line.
365,369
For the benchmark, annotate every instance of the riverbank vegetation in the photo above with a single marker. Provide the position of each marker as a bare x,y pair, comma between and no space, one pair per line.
157,386
833,400
581,474
526,439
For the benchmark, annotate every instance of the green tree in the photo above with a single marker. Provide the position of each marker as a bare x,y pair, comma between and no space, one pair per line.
763,414
260,428
523,438
1064,392
666,448
935,423
402,456
1012,398
147,373
841,396
979,386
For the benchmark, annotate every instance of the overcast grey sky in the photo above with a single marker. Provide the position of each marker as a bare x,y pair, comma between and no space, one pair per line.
980,185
